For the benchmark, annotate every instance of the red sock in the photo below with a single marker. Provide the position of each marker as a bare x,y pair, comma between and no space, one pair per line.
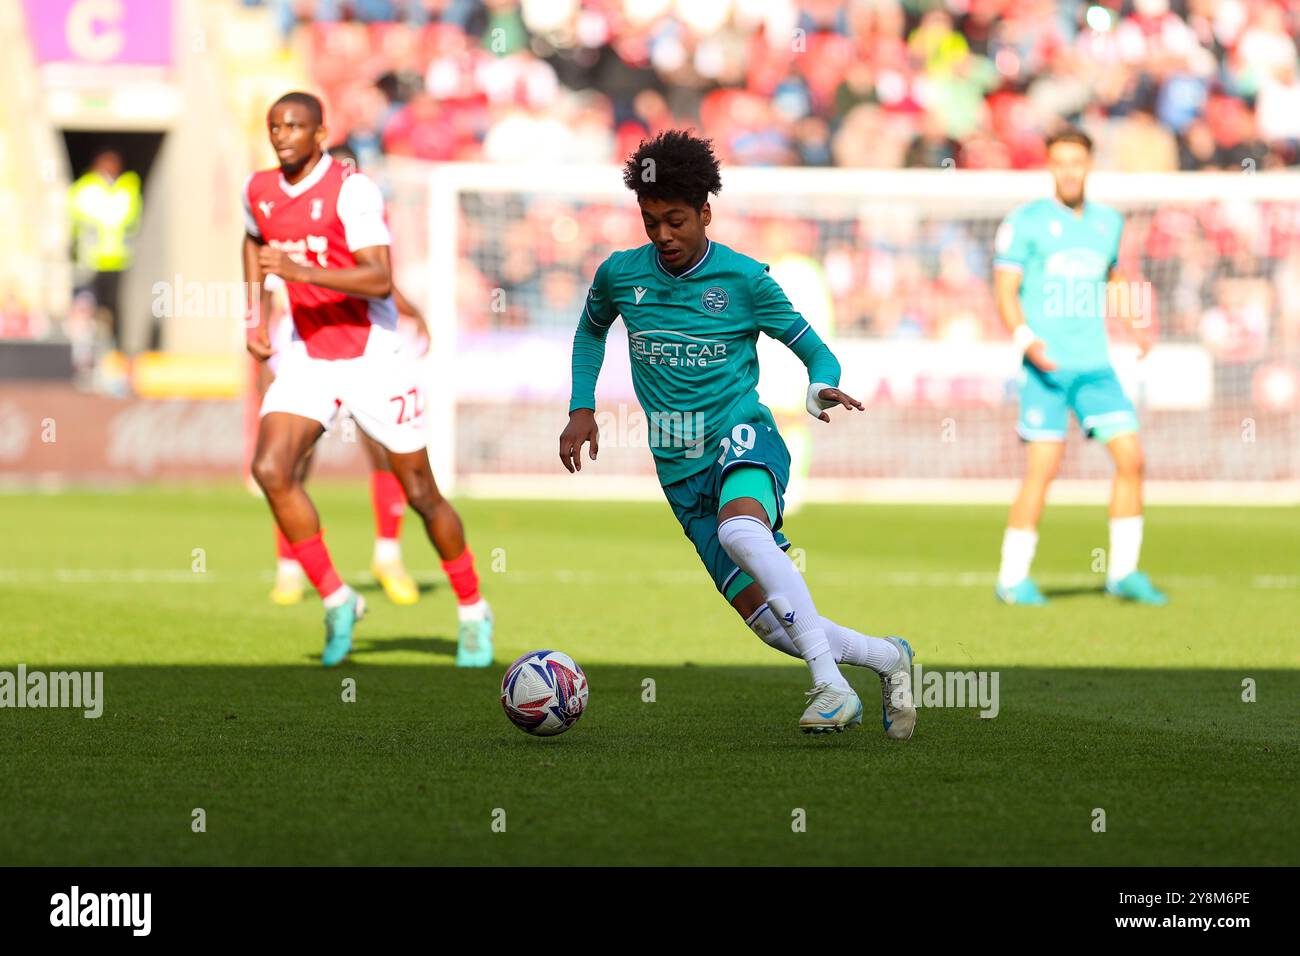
316,564
283,549
464,581
389,499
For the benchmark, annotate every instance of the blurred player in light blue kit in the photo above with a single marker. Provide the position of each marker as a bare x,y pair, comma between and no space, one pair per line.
1054,259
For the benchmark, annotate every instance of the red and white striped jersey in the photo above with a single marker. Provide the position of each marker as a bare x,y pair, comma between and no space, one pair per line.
320,221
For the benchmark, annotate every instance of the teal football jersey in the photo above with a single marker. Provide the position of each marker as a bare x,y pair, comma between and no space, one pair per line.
1064,260
691,341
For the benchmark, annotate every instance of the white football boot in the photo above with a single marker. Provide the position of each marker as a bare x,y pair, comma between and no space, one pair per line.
897,706
831,709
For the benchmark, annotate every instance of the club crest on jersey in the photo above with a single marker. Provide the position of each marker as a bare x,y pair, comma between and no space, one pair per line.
714,299
316,206
266,208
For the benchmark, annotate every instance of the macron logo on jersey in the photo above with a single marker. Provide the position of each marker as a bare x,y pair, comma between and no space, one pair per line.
639,293
266,208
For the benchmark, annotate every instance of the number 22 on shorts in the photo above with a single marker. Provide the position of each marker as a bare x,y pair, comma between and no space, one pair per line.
416,406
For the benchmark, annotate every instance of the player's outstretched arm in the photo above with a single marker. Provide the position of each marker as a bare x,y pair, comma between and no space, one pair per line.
371,277
823,372
588,356
777,318
822,397
257,304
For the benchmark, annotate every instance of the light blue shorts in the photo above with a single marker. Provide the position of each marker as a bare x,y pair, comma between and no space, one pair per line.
1095,397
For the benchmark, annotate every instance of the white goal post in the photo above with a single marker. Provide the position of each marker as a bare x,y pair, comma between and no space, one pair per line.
894,269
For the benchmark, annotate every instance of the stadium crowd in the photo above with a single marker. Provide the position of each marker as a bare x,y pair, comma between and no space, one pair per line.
1159,84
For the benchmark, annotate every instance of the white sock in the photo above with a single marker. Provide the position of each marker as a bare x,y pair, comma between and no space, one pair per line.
472,612
338,597
1018,546
1125,546
863,650
769,630
287,568
750,544
388,551
847,645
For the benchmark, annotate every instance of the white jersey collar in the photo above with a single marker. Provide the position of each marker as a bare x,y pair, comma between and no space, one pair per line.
311,179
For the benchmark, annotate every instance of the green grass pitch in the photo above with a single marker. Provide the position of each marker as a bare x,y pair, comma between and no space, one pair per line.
215,699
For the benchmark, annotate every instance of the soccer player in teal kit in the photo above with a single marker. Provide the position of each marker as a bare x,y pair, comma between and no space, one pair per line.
693,310
1054,258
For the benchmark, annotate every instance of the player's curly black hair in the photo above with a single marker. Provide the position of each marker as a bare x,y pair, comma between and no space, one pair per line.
674,165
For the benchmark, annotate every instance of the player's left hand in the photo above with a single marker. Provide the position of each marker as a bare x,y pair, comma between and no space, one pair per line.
422,337
277,262
1142,336
828,397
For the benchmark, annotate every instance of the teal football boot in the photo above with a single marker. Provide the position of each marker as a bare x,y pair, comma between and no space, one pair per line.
1137,587
1026,592
339,622
474,640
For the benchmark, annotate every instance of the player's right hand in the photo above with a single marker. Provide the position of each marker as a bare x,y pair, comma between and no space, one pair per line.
581,428
1037,355
259,343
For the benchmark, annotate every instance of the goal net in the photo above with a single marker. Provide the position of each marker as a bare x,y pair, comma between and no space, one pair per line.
894,270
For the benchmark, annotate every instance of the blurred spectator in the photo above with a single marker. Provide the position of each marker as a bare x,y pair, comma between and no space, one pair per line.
932,148
1143,145
105,205
1277,107
1196,147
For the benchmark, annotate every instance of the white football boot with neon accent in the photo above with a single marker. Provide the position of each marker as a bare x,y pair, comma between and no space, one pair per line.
831,710
897,706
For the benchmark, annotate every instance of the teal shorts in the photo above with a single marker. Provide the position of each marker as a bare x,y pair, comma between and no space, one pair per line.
1095,397
695,499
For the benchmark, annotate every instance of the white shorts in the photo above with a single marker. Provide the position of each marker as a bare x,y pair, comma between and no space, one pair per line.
381,390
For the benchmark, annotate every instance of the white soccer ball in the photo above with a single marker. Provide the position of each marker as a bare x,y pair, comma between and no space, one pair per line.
544,693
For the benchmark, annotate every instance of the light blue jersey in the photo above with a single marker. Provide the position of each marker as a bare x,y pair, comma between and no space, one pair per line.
1064,260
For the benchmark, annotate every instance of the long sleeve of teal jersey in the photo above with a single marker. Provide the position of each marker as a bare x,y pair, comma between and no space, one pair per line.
776,317
589,340
588,356
817,357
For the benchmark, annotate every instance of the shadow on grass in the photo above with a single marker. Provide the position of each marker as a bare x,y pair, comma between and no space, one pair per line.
670,765
433,645
371,586
1076,591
